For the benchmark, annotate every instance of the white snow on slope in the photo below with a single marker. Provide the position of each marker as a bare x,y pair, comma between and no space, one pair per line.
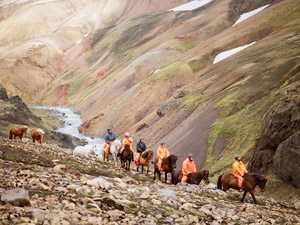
231,52
249,14
191,5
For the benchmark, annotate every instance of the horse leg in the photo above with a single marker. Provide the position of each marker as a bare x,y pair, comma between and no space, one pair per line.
252,194
142,169
154,174
166,175
244,195
137,168
129,164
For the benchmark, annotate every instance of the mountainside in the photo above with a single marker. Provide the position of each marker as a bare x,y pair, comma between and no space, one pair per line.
63,189
135,66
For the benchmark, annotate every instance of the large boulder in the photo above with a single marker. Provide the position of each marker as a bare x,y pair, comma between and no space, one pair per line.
287,158
16,197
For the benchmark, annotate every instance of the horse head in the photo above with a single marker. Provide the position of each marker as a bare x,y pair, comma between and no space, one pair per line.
25,128
205,176
261,181
173,160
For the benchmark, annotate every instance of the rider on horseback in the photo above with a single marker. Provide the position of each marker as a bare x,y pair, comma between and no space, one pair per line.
188,167
109,139
127,140
162,152
239,170
140,148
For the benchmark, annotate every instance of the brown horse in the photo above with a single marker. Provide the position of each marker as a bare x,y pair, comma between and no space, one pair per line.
37,134
14,132
195,178
249,182
168,164
145,160
126,156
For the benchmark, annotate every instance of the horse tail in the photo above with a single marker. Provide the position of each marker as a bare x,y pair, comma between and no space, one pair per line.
220,182
10,134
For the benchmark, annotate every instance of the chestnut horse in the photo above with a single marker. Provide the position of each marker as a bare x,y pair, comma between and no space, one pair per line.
168,164
14,132
145,160
195,178
37,134
249,182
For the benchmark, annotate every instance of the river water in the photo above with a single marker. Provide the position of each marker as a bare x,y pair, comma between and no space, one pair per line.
71,123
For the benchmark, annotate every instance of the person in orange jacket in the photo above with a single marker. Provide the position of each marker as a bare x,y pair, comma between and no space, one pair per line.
188,167
239,170
162,152
127,140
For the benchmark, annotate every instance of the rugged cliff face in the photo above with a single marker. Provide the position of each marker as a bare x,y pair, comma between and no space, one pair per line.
135,66
277,147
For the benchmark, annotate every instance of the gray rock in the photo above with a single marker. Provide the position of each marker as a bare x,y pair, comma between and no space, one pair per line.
16,197
168,193
287,158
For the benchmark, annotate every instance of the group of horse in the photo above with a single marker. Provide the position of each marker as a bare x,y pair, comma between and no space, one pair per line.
37,134
225,181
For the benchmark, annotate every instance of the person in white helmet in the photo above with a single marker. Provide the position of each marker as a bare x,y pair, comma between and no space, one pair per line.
127,140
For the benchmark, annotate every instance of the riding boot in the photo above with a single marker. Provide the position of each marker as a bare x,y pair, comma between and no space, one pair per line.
240,189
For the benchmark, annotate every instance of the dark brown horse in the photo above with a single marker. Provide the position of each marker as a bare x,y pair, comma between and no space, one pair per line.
168,164
195,178
249,182
14,132
126,157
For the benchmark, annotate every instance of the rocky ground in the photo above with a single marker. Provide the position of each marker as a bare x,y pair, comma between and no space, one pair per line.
58,188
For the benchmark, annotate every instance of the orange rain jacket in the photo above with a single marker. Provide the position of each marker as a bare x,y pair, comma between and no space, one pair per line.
162,152
239,170
127,141
188,167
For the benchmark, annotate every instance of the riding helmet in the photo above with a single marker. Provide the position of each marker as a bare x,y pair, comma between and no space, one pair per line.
237,156
126,134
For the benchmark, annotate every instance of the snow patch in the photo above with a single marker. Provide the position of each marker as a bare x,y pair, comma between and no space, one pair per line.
191,5
153,72
231,52
247,15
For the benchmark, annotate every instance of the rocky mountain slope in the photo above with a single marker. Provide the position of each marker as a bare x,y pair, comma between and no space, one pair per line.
135,66
54,187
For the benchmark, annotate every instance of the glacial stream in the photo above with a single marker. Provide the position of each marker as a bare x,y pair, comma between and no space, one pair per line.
71,122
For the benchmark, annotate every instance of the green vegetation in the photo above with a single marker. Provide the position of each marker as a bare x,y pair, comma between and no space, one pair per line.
197,65
191,101
240,131
94,54
185,46
287,12
169,71
287,82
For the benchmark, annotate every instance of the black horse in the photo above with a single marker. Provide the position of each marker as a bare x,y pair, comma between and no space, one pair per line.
168,164
126,157
249,182
195,178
